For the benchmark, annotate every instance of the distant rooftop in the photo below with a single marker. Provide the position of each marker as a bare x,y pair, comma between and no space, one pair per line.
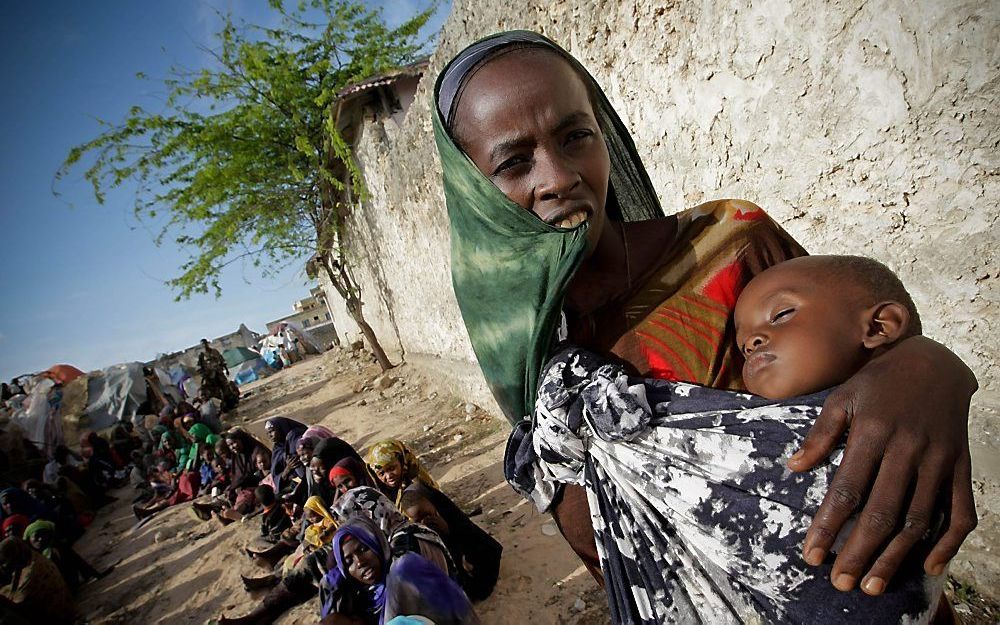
412,70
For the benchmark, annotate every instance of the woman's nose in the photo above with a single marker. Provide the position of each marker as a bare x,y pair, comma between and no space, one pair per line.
556,177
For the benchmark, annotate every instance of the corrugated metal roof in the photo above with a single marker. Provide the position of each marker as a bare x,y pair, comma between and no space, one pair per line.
386,78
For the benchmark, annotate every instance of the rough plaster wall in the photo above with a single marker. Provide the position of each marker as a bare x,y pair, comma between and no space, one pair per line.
866,128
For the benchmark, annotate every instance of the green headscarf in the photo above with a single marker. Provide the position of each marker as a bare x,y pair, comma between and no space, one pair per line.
510,269
41,526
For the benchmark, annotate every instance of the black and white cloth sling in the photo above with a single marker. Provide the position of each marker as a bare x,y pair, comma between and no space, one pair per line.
696,518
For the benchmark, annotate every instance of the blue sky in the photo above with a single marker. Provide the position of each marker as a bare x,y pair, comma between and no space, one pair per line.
82,283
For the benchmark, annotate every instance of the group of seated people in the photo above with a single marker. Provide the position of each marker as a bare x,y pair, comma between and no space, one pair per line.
374,537
168,457
40,570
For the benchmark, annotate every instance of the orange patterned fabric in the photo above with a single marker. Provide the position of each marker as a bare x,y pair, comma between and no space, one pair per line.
675,323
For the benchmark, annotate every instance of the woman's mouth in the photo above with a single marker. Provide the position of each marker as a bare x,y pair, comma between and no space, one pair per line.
368,575
572,220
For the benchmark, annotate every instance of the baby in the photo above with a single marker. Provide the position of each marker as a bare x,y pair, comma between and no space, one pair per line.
810,323
696,518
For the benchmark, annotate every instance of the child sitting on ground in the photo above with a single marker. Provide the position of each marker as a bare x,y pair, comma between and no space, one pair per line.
273,520
696,518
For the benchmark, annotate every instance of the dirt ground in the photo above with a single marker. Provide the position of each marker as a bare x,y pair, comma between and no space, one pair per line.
177,569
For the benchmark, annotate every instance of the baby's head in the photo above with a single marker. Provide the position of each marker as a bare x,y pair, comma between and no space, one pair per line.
810,323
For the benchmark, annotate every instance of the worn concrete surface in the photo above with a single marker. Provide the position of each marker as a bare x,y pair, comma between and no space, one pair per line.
862,127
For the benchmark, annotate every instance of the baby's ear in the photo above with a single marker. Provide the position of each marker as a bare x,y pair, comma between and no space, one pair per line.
887,323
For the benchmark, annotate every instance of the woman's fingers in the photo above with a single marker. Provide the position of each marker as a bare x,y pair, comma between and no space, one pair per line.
877,520
918,520
962,518
848,488
824,434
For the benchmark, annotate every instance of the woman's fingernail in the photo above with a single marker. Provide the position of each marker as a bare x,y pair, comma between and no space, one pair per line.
814,556
843,582
873,585
797,456
937,569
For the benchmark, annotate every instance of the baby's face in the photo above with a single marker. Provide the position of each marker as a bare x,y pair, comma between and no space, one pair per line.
797,332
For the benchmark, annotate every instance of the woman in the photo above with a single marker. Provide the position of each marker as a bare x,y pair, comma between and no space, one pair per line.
31,586
554,220
396,468
285,434
348,474
327,453
300,584
368,583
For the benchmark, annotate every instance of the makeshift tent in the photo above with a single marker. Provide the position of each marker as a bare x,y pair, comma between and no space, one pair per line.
62,374
114,393
245,365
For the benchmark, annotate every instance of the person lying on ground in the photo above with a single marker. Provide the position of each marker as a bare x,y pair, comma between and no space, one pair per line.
44,538
563,231
396,467
368,584
31,588
694,517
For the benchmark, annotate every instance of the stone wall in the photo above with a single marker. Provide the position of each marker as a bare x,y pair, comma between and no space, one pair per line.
862,127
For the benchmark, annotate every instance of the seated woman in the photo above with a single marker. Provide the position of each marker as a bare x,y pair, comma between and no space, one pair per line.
476,553
284,434
301,583
31,587
562,230
14,525
349,473
58,509
169,490
327,453
396,467
367,583
42,537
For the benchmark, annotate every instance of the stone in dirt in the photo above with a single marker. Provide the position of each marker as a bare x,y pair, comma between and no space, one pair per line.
385,381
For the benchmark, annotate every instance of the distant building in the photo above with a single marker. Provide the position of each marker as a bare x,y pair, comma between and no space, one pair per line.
242,337
313,314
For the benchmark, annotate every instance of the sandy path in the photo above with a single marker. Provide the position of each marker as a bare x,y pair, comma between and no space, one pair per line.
176,569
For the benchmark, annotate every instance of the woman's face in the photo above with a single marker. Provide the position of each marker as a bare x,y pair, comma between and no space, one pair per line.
362,563
235,445
526,121
10,531
40,540
305,454
391,474
6,506
344,483
272,432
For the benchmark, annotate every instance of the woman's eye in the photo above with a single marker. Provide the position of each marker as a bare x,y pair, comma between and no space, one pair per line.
582,133
782,314
511,162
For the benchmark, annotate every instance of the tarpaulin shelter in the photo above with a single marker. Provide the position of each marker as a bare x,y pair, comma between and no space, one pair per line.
245,365
62,374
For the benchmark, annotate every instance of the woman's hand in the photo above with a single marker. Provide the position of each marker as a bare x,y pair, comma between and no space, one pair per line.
907,411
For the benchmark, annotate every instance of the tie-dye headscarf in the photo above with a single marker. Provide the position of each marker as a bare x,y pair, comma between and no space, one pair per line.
510,269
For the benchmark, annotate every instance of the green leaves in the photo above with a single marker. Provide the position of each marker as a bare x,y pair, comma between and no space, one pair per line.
245,162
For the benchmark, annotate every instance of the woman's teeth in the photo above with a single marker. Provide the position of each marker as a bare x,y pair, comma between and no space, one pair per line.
573,220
